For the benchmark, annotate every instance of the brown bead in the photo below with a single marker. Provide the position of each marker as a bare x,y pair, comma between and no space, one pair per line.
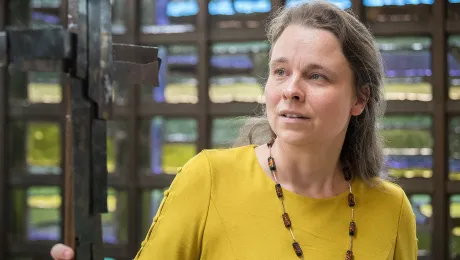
286,220
351,200
349,255
297,249
347,174
352,229
279,191
271,163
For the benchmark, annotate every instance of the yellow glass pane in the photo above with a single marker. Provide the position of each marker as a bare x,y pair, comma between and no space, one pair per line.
421,206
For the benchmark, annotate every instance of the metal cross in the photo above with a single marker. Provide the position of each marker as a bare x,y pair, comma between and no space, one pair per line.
93,64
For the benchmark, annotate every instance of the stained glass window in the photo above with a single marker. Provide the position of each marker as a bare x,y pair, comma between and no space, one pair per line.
35,147
237,14
407,62
177,76
343,4
225,131
408,145
238,72
151,201
167,144
455,235
168,16
453,10
398,10
454,142
422,208
453,60
36,213
228,7
118,16
114,223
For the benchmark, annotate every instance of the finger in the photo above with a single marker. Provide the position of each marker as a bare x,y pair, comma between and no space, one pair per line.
61,252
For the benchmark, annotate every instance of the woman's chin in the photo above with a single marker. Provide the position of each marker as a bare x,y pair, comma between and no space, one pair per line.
295,138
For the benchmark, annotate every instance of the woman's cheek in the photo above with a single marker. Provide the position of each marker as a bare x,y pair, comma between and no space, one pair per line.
272,97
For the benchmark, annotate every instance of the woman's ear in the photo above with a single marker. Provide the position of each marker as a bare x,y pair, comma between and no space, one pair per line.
362,98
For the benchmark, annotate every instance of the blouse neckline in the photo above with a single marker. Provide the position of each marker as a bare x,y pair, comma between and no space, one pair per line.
293,195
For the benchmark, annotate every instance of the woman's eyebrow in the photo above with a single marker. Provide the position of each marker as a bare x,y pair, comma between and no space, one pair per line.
280,60
310,66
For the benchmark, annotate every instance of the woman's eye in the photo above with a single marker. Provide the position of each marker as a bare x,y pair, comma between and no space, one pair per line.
280,72
317,76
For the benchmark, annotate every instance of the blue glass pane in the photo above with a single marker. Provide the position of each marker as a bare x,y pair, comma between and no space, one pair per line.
344,4
454,141
177,8
454,66
168,144
39,18
43,218
168,16
408,145
177,76
454,1
42,17
373,3
238,71
225,7
407,63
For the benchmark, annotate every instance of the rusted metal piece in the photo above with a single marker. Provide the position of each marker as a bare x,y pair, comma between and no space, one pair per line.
84,52
38,43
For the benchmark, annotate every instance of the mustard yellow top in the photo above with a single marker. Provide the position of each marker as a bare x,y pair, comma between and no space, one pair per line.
223,206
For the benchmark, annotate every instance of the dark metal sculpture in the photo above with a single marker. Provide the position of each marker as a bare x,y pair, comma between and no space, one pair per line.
93,64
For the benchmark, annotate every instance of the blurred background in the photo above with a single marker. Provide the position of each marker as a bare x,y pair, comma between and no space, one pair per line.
214,61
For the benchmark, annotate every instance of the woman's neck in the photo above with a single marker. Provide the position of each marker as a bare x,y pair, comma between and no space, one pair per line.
313,172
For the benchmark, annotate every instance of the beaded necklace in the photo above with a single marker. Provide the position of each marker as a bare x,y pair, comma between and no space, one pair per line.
287,221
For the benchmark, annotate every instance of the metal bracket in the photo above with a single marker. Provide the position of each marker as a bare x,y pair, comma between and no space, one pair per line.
86,54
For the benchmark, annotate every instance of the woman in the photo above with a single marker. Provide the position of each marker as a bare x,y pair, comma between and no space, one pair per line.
312,187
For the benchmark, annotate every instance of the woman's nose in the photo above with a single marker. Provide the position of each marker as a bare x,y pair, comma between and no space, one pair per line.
294,90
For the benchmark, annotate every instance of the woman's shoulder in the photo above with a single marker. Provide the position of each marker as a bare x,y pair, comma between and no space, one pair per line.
386,193
221,158
230,155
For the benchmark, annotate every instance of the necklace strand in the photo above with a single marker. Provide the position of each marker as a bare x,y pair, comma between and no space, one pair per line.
287,221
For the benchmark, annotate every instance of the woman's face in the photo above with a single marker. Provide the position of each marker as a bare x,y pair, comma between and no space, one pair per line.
310,94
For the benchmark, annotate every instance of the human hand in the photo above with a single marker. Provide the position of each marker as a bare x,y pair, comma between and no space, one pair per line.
61,252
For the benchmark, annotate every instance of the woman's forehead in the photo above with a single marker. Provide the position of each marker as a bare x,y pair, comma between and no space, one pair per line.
304,46
303,40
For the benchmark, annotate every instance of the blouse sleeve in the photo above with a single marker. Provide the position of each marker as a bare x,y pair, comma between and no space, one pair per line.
177,229
406,241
